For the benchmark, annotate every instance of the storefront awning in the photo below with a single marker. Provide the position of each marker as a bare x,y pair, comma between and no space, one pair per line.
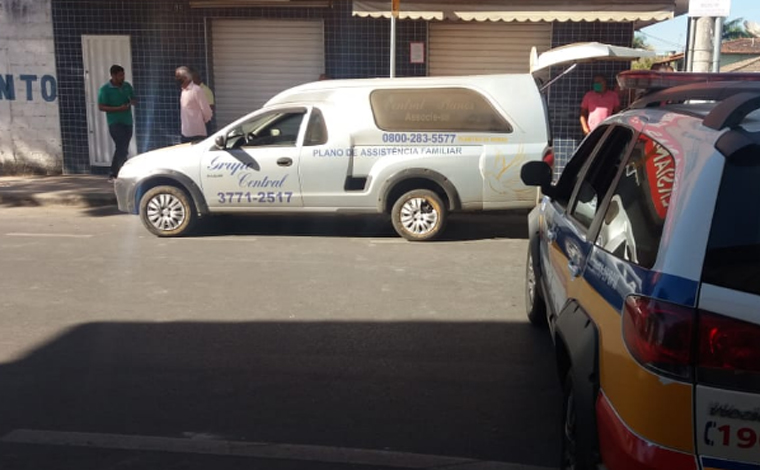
522,10
259,3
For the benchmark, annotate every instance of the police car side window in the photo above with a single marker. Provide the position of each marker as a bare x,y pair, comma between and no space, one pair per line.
632,225
600,174
572,172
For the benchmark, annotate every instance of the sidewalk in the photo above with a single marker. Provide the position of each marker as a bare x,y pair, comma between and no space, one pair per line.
85,191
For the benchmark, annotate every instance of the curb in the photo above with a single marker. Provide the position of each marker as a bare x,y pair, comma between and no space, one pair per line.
67,199
84,191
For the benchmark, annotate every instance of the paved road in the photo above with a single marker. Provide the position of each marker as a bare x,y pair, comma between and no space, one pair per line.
310,334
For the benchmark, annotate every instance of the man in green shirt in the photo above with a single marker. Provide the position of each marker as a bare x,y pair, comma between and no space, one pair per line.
116,99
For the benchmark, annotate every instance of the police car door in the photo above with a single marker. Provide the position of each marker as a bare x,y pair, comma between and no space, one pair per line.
568,236
256,167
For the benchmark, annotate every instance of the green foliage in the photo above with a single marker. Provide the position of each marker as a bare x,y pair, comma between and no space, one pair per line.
734,29
640,42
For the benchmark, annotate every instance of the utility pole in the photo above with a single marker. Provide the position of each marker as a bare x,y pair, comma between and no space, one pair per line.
702,52
394,16
705,34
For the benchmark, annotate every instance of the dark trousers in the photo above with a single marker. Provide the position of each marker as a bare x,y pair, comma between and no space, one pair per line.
121,135
193,139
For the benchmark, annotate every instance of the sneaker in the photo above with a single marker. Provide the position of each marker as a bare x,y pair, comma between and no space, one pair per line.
111,178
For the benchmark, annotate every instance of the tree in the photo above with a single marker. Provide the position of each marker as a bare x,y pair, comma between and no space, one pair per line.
734,29
640,42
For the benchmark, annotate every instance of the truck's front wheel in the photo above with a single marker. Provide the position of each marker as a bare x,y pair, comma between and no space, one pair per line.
166,211
419,215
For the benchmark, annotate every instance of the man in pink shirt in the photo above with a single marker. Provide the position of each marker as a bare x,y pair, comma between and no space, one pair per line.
195,111
598,105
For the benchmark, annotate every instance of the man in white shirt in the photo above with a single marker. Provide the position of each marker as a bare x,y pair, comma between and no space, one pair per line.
195,110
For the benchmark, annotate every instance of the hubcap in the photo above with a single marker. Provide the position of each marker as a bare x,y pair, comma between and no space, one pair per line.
530,282
166,212
418,216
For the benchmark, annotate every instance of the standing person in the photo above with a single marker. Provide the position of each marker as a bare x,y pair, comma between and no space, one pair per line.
116,99
209,97
195,111
598,105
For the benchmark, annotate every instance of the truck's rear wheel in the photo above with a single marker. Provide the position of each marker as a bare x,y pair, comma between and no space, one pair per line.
419,215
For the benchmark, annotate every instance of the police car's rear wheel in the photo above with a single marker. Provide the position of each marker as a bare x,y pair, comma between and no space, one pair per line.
419,215
534,302
167,211
569,427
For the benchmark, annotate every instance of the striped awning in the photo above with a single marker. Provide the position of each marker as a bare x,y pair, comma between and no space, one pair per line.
521,10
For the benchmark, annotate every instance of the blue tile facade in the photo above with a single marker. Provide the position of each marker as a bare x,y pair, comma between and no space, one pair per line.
167,34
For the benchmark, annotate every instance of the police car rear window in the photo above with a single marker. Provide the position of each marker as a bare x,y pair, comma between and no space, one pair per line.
733,251
435,110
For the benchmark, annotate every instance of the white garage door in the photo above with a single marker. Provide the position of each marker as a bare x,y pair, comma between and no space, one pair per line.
253,60
464,48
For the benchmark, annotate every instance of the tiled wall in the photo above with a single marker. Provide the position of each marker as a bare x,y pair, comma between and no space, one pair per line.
167,34
566,94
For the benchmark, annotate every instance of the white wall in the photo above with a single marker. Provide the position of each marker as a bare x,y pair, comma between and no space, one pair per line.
30,130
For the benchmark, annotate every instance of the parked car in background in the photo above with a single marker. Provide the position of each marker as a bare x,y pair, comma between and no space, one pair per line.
415,148
644,261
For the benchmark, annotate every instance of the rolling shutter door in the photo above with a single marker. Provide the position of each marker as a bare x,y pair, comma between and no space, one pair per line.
253,60
459,48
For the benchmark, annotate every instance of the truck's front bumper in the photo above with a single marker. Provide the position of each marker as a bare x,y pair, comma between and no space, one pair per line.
125,194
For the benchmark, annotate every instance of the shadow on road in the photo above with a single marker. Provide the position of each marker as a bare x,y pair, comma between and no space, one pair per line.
460,227
480,390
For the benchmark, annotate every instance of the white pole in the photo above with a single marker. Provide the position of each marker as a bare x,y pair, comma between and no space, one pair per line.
393,46
703,45
689,66
717,41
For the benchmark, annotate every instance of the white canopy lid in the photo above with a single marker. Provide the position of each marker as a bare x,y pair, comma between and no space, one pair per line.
583,52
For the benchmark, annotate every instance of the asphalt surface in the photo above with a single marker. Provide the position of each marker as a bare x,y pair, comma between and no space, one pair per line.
323,333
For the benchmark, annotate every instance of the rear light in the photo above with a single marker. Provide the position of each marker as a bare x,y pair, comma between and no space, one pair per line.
660,335
728,345
549,158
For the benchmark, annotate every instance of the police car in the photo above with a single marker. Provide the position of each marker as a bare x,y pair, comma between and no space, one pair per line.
644,261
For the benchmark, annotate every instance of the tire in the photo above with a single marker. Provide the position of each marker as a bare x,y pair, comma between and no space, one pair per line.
419,215
569,429
535,305
167,211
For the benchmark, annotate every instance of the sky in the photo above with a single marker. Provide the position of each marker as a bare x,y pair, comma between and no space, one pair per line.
670,35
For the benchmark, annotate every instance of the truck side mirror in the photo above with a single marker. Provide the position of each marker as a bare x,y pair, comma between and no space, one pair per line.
220,142
539,174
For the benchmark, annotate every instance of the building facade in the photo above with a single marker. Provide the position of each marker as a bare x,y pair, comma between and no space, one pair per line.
55,54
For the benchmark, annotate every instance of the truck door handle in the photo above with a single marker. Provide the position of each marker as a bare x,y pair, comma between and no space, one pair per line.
574,269
284,161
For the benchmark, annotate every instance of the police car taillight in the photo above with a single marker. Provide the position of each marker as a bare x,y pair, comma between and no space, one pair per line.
729,351
675,340
660,335
653,80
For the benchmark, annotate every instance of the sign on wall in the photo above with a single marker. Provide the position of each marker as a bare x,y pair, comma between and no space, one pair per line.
417,52
709,7
35,87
